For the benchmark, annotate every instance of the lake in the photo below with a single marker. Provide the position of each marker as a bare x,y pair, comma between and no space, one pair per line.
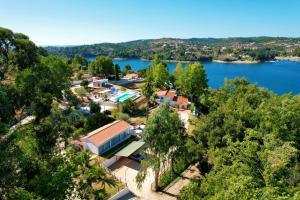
280,76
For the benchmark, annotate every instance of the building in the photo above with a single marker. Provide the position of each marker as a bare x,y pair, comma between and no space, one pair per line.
106,137
172,98
96,82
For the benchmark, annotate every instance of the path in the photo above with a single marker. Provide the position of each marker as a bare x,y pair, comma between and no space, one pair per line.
126,171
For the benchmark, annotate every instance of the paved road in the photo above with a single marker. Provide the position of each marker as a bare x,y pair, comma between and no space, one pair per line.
126,170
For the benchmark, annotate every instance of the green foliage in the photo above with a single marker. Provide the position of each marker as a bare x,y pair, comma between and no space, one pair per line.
84,83
159,72
249,140
296,52
170,175
97,120
128,106
117,71
164,125
102,66
122,116
94,107
79,63
191,81
127,69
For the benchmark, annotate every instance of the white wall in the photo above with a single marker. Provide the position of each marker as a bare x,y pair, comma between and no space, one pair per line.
108,162
92,147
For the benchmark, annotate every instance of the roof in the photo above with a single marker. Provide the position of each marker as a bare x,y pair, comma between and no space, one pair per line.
105,133
167,93
130,149
182,100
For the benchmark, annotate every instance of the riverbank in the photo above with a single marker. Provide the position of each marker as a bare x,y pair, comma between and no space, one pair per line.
237,61
279,58
289,58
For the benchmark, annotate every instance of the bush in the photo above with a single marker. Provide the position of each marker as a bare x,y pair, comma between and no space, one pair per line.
84,83
170,175
122,116
94,107
97,120
128,106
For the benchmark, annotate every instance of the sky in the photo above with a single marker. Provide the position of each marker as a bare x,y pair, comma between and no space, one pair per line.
74,22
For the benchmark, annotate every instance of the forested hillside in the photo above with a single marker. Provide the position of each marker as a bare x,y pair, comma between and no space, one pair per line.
195,49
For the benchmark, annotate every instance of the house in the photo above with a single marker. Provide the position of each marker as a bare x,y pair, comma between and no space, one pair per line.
172,98
106,137
96,82
131,76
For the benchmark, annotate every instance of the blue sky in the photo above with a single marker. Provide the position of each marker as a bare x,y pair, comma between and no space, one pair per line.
72,22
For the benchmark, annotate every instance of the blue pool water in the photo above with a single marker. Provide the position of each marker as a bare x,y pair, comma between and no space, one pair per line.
123,97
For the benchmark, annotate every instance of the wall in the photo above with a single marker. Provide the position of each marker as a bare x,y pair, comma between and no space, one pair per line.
91,147
120,194
108,162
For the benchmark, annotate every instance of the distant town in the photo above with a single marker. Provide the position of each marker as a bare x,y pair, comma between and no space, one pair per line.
240,50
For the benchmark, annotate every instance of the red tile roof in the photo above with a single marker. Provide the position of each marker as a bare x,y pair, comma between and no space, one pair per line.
107,132
182,100
167,93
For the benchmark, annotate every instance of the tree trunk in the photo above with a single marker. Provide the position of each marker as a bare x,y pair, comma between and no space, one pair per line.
156,179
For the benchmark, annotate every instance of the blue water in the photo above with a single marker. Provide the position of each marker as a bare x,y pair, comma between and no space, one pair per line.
125,96
280,77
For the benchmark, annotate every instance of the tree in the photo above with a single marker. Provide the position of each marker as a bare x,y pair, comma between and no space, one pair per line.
6,41
191,81
102,66
178,76
160,75
164,134
94,107
148,88
127,68
97,120
247,143
117,71
159,72
128,106
79,63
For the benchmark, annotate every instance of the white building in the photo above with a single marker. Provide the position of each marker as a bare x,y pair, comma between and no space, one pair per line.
106,137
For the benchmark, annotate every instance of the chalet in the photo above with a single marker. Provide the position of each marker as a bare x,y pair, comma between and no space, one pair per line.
106,137
172,98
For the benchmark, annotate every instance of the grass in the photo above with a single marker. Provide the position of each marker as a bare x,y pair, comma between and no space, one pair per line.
80,91
112,190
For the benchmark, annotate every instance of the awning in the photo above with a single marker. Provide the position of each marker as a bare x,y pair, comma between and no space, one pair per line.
130,149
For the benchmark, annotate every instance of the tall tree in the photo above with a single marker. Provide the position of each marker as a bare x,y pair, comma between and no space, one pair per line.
102,66
148,88
117,71
163,136
127,68
6,41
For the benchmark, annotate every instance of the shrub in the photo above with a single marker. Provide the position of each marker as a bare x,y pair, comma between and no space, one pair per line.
122,116
170,175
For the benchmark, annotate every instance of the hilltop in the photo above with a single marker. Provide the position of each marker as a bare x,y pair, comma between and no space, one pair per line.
193,49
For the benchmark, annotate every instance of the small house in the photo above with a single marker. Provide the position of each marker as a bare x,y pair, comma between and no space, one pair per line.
172,98
106,137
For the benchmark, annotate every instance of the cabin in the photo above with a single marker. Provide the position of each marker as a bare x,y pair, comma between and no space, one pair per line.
106,137
172,98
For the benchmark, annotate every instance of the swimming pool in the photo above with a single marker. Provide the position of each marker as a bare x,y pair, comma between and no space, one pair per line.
122,97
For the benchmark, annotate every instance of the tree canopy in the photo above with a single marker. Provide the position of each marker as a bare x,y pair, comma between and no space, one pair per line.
102,66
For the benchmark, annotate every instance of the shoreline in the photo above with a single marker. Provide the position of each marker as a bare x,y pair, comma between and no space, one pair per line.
288,58
279,58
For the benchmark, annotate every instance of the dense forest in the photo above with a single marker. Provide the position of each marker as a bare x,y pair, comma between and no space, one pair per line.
244,139
195,49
